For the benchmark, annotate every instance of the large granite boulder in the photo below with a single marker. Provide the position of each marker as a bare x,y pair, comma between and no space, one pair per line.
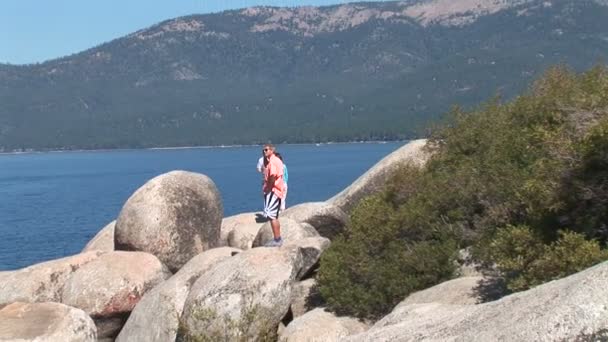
242,237
41,282
374,179
567,309
103,241
319,325
235,223
464,291
41,322
174,216
300,236
328,219
291,230
156,316
109,287
244,297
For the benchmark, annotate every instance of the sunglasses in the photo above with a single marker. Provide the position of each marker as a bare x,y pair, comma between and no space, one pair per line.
266,149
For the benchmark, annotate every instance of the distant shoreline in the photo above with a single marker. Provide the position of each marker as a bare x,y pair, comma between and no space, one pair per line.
34,151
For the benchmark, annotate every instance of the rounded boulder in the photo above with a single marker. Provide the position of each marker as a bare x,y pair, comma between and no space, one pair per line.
291,230
103,240
320,325
236,222
174,216
45,322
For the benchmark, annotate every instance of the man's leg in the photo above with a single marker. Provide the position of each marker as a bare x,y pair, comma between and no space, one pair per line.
276,228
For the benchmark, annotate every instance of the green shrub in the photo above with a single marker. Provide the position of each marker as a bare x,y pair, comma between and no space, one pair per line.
368,273
526,261
537,164
586,192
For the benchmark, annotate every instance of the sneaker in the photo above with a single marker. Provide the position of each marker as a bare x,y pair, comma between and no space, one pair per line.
274,243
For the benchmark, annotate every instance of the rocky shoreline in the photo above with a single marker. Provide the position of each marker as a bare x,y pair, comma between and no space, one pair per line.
172,268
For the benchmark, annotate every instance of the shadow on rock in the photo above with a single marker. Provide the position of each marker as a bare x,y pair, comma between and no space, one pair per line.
491,289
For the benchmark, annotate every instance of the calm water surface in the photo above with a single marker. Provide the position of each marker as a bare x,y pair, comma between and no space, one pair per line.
52,204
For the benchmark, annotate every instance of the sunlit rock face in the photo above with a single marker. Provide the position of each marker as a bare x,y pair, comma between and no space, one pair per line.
45,322
174,216
309,21
567,309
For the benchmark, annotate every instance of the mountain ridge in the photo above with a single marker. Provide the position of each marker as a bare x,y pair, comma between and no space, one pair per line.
363,71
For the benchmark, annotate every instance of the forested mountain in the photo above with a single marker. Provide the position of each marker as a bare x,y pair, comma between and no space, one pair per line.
378,70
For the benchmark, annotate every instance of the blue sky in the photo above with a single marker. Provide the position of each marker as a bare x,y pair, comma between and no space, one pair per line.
33,31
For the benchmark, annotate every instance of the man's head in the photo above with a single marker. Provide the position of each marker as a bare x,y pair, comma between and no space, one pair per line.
268,150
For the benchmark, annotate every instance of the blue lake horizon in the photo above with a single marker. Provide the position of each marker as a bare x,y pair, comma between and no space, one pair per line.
53,203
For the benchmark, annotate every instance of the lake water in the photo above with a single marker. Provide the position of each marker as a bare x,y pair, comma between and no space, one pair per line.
52,204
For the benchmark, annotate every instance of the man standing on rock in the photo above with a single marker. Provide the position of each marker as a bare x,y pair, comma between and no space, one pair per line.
273,190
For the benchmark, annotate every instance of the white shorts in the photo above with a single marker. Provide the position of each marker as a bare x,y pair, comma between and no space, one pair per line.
272,205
